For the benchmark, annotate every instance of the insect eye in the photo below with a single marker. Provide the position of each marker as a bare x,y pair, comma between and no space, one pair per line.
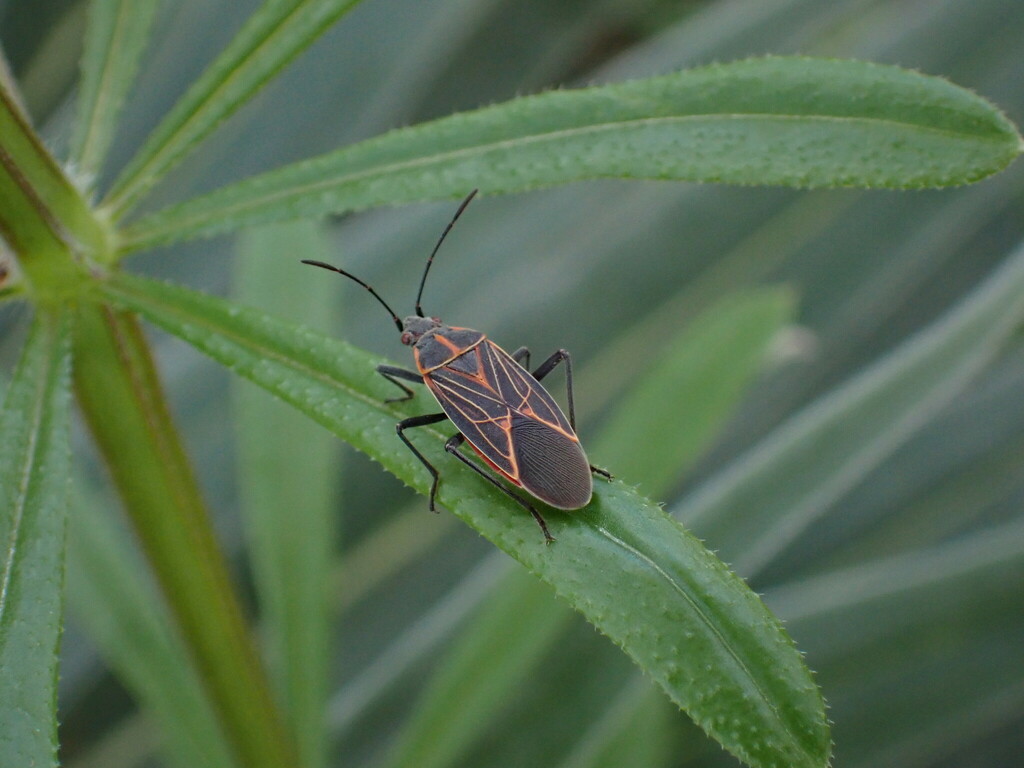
406,338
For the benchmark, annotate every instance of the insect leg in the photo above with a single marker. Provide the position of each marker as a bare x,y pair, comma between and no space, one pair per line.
549,365
543,370
452,446
392,373
522,356
421,421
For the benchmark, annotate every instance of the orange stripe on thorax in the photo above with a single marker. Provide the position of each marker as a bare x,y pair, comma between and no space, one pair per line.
456,352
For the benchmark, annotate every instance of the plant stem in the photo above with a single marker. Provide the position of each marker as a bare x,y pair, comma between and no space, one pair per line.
119,392
56,203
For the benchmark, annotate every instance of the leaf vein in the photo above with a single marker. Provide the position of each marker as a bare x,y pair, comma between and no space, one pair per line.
140,233
24,481
705,619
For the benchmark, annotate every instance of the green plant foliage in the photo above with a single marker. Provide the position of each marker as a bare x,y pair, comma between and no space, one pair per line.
798,122
838,440
271,37
34,188
34,461
640,579
695,386
115,40
117,389
289,464
109,592
862,467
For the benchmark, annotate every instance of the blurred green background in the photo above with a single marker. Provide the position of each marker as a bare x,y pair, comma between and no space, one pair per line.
907,589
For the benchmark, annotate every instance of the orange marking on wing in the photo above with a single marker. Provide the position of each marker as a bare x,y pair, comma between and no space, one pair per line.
507,452
499,382
466,394
514,480
517,376
444,391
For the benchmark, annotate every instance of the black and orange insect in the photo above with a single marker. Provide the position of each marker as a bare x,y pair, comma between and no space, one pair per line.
508,418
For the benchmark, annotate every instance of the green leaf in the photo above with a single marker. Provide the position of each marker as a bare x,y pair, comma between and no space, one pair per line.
110,591
288,471
656,430
677,407
34,467
10,86
274,35
115,39
481,668
28,170
636,733
26,225
121,397
422,636
40,211
931,637
630,569
790,121
751,516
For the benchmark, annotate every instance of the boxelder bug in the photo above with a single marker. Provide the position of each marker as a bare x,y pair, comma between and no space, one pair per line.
508,418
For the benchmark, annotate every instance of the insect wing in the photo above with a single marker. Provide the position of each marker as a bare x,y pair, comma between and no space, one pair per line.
548,455
514,424
552,466
475,407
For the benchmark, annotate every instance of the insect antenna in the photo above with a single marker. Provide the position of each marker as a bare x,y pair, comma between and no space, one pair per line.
322,265
423,282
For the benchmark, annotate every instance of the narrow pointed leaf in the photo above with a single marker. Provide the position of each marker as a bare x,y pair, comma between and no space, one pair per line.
274,35
34,466
110,592
425,634
34,195
638,733
758,505
115,40
10,86
960,601
789,121
481,670
288,480
120,394
630,569
655,431
50,197
660,426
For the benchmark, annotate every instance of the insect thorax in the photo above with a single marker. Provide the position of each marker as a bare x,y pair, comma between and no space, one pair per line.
443,344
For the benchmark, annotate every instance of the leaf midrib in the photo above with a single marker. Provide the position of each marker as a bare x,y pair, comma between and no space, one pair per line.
138,233
23,485
698,610
102,86
129,194
247,342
